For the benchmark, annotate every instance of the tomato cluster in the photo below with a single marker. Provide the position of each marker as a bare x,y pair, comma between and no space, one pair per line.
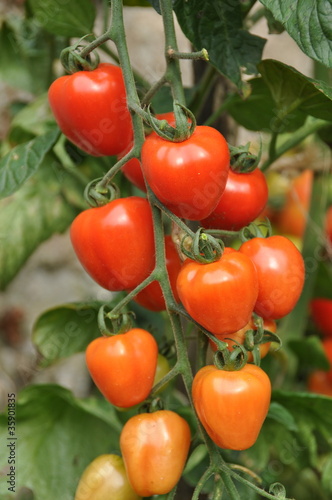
223,295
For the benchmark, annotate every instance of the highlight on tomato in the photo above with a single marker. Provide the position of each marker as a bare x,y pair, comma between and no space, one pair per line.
91,110
233,339
155,447
220,296
280,271
115,242
188,177
123,366
151,297
321,312
105,478
232,405
242,201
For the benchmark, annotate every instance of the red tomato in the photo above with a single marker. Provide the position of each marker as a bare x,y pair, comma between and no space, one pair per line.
123,366
90,109
105,478
321,311
281,273
232,405
243,200
320,383
115,242
220,296
154,447
188,177
239,337
292,219
152,297
328,225
132,169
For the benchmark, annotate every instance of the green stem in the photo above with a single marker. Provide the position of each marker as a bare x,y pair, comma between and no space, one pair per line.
153,90
200,485
216,114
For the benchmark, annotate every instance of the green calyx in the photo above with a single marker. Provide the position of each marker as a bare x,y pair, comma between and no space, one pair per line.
204,247
73,61
112,324
242,160
97,195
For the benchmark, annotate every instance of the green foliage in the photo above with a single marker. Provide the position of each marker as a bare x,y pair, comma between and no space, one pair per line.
310,353
309,23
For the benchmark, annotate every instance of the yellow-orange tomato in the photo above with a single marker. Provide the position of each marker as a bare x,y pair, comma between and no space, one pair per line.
154,447
232,405
105,478
239,338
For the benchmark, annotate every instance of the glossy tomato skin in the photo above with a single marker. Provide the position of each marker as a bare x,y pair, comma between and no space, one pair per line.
243,200
280,271
232,405
155,447
188,177
90,109
238,337
152,297
115,242
123,366
321,311
133,169
220,296
105,478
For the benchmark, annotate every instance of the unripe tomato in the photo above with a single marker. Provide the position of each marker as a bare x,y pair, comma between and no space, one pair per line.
133,169
292,218
232,405
188,177
123,366
154,447
105,478
163,367
220,296
280,271
321,311
115,242
151,297
243,200
91,110
239,337
319,382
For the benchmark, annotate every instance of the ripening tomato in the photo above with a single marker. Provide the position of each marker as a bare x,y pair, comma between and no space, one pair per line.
151,297
123,366
220,296
321,311
188,177
105,478
163,367
132,169
280,271
232,405
239,337
328,225
319,382
243,200
154,447
292,218
91,110
115,242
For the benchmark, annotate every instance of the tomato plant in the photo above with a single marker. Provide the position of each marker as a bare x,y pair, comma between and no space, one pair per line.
188,177
151,297
115,242
91,110
155,448
242,201
280,271
104,478
221,295
232,405
123,366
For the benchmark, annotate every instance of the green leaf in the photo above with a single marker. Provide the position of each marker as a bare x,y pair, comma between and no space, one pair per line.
30,216
310,353
258,111
65,330
327,475
23,161
309,23
278,413
216,25
292,91
57,437
71,20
